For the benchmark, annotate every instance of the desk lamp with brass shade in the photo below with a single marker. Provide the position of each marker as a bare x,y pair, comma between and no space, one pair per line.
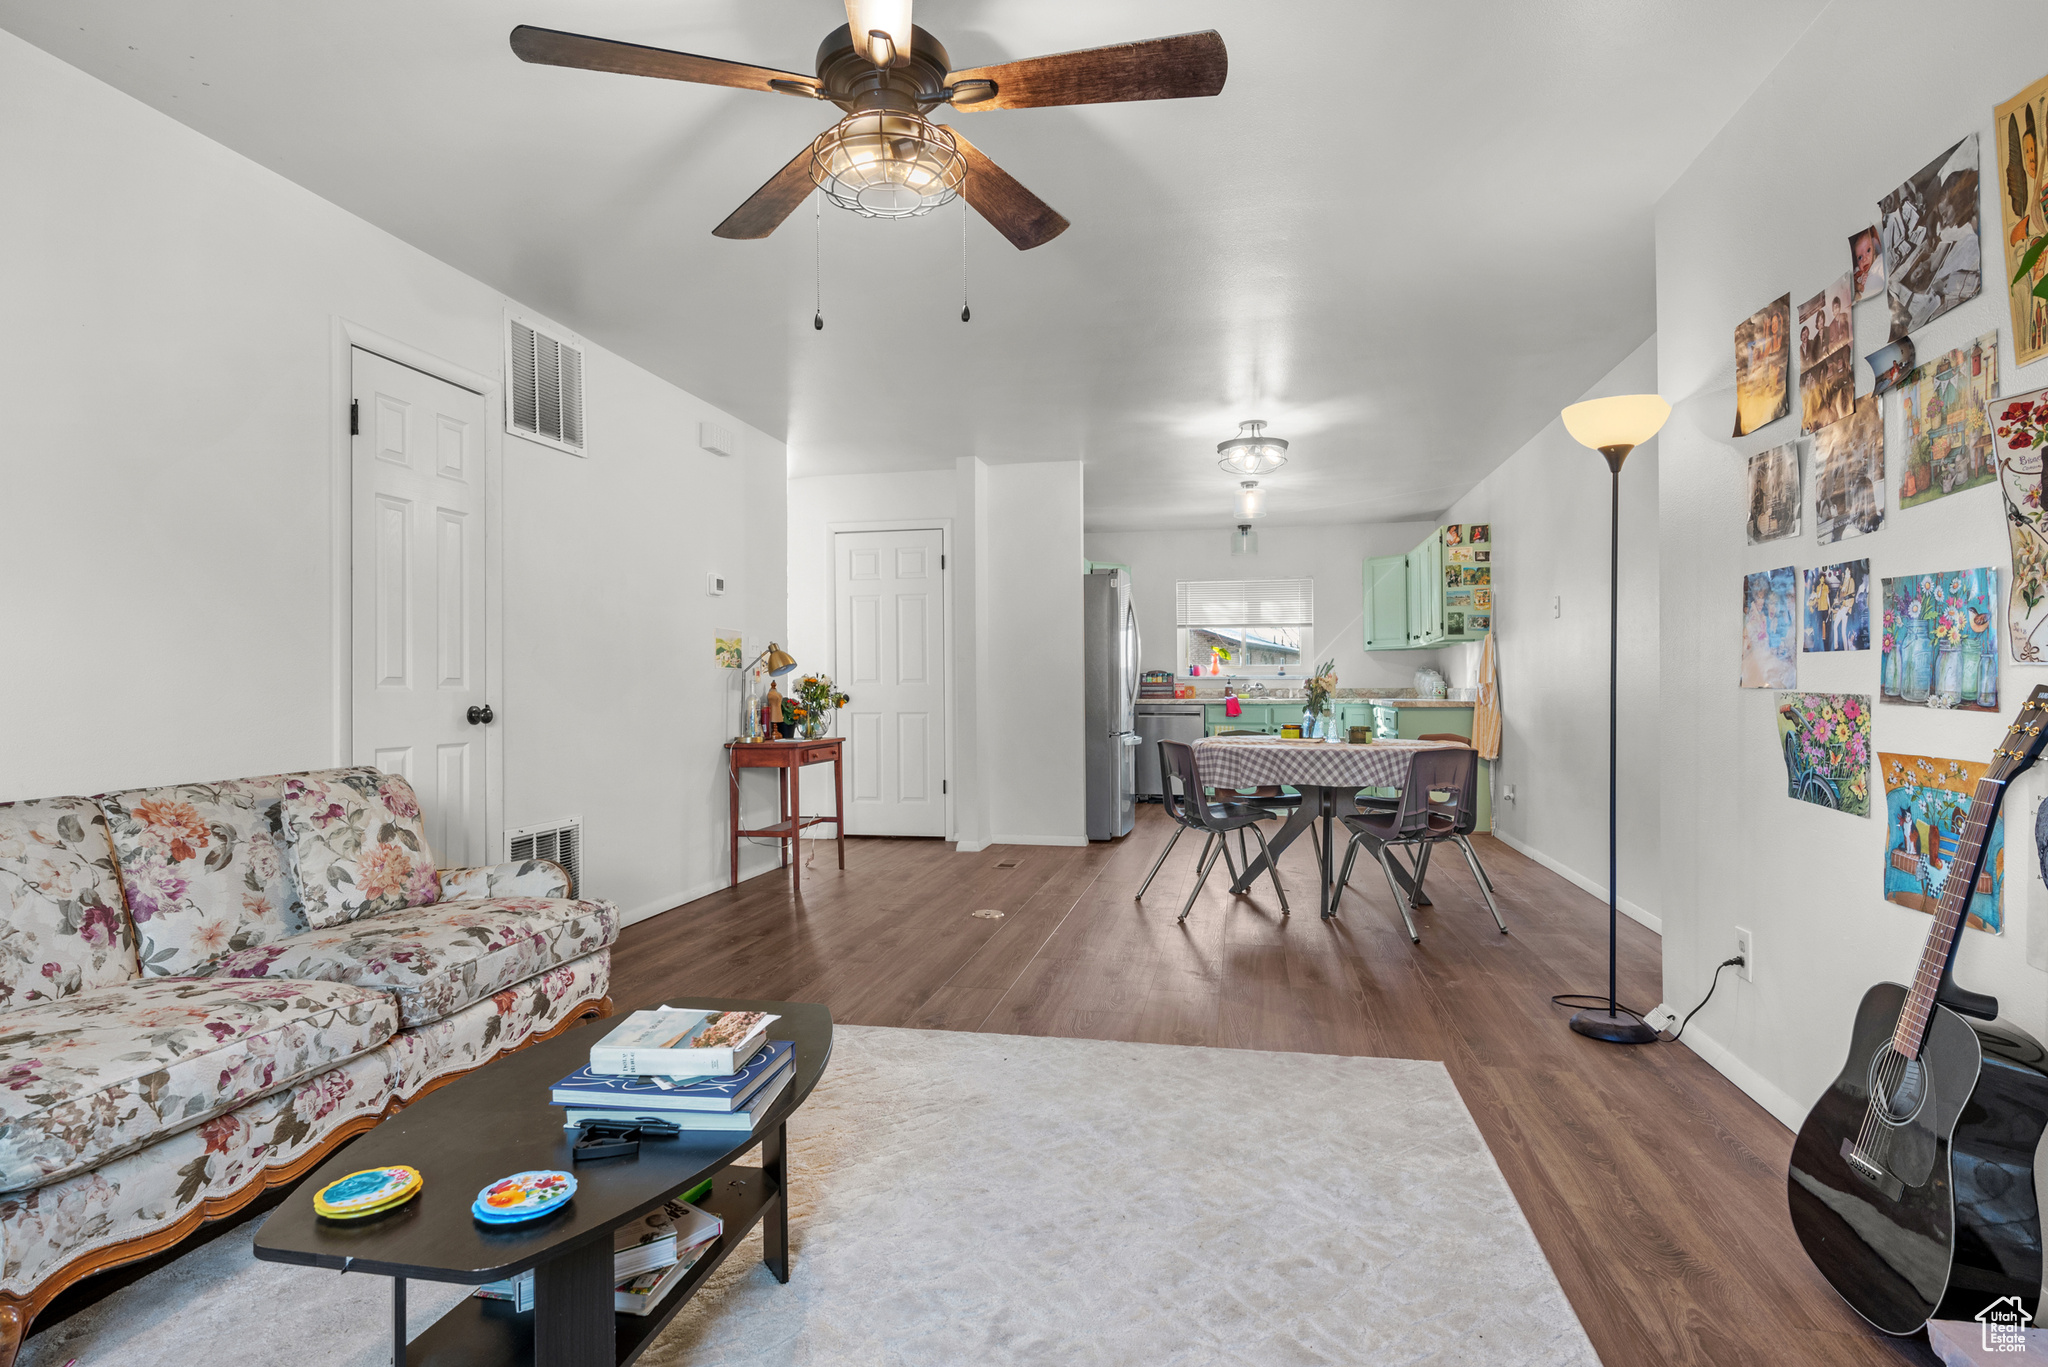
1614,427
780,662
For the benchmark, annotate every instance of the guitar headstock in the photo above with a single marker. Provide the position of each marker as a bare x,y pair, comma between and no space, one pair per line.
2024,740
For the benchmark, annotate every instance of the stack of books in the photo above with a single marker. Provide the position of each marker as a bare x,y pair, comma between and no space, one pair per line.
700,1070
648,1257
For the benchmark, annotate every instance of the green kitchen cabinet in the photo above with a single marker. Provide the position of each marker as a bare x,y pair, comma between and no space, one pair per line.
1386,603
1425,593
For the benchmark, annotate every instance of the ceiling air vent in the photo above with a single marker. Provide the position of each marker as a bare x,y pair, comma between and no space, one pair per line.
546,382
562,842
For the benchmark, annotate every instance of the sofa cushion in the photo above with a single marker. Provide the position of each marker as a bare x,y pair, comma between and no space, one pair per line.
62,925
102,1073
419,1058
359,844
441,958
522,878
206,869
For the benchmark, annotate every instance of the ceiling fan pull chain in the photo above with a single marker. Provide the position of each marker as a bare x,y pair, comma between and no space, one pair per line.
965,312
817,260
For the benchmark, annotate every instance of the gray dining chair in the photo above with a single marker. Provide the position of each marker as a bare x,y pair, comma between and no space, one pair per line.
1194,811
1438,804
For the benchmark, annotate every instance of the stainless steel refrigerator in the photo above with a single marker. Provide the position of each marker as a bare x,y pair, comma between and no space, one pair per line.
1110,657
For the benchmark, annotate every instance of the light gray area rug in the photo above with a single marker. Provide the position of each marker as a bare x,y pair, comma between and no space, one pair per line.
988,1199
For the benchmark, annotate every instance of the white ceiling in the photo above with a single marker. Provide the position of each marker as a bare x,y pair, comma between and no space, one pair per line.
1404,235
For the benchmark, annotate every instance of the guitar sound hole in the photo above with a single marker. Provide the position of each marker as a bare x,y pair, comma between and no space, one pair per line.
1897,1086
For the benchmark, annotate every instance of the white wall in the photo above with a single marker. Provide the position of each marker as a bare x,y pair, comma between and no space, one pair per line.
1034,767
1333,556
1548,505
1014,639
167,368
1766,208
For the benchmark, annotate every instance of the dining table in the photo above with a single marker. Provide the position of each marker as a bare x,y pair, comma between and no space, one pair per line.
1328,775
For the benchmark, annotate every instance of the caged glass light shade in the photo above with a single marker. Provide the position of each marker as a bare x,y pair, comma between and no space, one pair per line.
1251,452
1625,420
884,163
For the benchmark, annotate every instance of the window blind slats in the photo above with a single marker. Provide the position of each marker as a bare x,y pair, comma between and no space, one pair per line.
1245,602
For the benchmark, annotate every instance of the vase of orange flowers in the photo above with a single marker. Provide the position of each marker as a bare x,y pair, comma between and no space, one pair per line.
816,703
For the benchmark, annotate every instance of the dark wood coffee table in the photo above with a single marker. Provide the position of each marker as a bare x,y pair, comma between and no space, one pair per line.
497,1121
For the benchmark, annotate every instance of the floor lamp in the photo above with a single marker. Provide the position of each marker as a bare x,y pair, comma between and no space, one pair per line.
1614,427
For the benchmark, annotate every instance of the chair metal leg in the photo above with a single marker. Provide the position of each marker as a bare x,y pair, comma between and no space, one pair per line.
1222,846
1171,842
1422,870
1479,877
1272,870
1223,842
1400,899
1350,858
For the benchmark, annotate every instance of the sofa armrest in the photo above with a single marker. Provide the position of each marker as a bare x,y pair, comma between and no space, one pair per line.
526,878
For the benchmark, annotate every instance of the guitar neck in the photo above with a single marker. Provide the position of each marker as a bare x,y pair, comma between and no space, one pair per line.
1949,914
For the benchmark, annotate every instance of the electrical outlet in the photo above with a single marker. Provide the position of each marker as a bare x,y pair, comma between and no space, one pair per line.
1507,794
1745,945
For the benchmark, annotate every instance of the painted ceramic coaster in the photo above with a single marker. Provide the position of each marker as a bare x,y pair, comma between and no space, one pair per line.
523,1196
367,1192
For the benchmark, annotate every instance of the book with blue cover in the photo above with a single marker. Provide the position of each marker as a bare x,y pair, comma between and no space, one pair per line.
728,1122
655,1094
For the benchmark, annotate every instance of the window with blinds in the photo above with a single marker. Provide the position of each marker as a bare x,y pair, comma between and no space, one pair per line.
1251,628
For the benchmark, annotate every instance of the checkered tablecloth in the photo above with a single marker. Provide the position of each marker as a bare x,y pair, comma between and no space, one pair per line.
1250,761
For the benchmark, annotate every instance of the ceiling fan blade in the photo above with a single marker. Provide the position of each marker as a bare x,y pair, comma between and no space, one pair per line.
1012,210
1180,67
765,209
551,47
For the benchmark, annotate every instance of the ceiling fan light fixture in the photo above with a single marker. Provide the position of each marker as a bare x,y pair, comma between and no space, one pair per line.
1251,452
888,163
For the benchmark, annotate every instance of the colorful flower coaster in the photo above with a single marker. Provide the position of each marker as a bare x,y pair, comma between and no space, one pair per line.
367,1192
523,1196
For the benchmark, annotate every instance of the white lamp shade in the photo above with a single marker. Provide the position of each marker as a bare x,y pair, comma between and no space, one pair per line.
1624,420
1251,502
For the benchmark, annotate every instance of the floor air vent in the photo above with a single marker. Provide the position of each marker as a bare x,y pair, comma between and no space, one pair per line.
561,842
545,376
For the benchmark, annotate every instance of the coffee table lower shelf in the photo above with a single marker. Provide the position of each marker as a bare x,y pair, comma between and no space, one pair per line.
489,1333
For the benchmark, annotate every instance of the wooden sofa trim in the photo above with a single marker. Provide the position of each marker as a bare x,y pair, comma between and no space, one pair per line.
18,1313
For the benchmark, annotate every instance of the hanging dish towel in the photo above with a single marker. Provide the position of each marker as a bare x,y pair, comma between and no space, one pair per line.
1232,707
1486,716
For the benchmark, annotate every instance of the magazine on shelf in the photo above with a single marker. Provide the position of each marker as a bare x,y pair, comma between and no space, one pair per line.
647,1246
643,1293
728,1093
675,1043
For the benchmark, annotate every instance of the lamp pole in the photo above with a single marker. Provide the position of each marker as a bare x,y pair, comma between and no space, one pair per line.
1614,427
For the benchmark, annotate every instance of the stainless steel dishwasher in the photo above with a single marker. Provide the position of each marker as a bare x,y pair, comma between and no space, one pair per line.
1159,721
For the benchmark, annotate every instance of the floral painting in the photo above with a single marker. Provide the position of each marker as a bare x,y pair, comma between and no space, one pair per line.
1826,741
2020,431
2020,133
1941,640
1770,628
1927,806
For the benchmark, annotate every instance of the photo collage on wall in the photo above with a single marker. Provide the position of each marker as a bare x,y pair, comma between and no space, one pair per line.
1936,639
1927,803
1468,579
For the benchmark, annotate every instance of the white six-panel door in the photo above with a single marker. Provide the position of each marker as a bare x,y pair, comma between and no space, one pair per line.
418,588
892,662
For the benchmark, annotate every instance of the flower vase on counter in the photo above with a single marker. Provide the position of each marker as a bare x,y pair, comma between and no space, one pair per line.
1320,689
816,703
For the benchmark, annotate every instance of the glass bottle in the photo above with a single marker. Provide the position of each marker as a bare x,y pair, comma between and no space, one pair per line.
1948,676
1987,674
1916,660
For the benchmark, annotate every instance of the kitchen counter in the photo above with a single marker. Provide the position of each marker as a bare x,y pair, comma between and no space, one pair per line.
1423,702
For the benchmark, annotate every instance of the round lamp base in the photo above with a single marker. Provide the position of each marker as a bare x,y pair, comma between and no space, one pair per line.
1615,1029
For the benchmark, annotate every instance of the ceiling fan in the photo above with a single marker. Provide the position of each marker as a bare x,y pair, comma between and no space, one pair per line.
885,159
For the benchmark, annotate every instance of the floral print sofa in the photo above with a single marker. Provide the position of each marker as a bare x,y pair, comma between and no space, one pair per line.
204,989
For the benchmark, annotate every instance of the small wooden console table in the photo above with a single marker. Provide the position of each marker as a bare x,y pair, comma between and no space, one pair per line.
789,756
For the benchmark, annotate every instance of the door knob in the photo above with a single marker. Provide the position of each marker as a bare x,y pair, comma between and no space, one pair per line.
481,716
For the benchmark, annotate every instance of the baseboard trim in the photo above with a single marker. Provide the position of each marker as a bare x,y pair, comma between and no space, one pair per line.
969,846
669,902
1064,840
1722,1060
1565,871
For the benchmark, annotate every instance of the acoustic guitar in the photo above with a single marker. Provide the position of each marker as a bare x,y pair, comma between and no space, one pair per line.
1912,1180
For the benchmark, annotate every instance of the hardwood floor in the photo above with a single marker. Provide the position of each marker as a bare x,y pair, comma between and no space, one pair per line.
1656,1188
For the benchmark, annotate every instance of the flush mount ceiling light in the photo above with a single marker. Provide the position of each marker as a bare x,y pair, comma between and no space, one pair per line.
1250,452
886,163
1251,501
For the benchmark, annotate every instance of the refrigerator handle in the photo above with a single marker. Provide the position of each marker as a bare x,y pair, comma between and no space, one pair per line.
1137,651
